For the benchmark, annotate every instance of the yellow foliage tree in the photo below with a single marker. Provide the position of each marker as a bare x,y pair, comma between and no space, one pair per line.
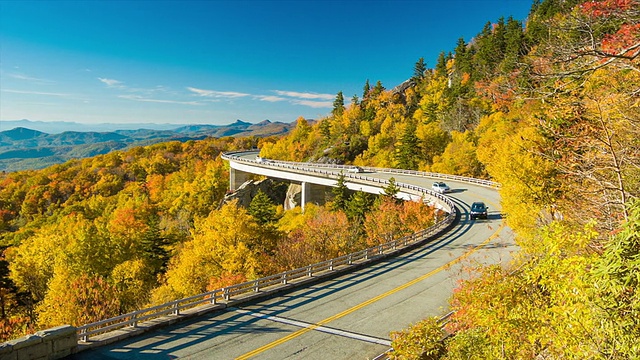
77,300
506,147
133,283
322,235
459,157
297,146
222,244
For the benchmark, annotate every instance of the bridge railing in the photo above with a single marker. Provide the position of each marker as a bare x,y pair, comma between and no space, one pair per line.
226,294
483,182
318,169
223,295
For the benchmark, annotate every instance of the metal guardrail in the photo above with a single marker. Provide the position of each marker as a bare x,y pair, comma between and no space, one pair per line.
316,169
224,295
232,155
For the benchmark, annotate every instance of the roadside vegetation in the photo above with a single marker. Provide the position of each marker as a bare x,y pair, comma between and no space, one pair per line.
94,238
549,108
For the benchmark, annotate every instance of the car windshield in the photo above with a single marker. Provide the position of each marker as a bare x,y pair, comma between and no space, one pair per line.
477,206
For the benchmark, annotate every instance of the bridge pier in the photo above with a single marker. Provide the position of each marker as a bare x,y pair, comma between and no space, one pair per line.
311,193
237,178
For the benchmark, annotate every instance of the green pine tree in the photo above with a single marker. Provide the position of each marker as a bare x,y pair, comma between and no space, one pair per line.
441,65
392,189
359,205
341,194
338,105
419,70
262,209
407,149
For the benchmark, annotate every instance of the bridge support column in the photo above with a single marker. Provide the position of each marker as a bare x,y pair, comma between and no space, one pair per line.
311,193
237,178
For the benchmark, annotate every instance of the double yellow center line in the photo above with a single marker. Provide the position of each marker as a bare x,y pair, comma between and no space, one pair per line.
368,302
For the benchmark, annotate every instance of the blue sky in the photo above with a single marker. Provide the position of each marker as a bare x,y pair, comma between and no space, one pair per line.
212,62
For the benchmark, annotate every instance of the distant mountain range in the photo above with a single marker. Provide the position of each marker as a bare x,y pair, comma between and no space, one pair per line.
29,147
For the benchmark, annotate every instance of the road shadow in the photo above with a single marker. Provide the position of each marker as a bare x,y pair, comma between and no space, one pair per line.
457,190
162,343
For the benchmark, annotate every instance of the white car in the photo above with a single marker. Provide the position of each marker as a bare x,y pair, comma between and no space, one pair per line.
355,169
440,187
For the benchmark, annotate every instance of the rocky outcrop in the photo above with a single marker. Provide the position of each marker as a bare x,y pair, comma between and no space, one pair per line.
280,193
276,191
294,196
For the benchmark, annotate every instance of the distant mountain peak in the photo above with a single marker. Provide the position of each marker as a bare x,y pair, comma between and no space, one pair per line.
240,122
264,122
22,133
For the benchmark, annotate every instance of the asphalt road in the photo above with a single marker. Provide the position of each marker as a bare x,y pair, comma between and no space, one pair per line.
349,317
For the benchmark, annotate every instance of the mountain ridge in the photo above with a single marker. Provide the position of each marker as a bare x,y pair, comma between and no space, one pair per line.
23,148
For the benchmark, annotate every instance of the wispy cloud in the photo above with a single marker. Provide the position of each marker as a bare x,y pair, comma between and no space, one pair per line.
304,95
217,94
309,99
270,98
313,104
35,92
30,78
111,82
156,95
163,101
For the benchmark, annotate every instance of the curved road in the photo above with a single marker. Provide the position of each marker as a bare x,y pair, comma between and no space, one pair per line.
348,317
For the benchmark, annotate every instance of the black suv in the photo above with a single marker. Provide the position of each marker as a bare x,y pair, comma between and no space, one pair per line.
478,210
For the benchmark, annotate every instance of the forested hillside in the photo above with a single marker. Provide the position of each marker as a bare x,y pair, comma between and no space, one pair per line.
94,238
551,110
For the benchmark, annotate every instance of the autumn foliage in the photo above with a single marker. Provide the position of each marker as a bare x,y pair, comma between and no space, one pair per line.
95,238
550,108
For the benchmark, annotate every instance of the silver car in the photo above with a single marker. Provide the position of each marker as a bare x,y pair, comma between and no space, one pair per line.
440,187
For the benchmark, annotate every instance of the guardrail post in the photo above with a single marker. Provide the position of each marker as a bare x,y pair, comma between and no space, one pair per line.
225,294
309,271
213,296
134,317
256,286
349,259
176,309
83,335
379,249
284,278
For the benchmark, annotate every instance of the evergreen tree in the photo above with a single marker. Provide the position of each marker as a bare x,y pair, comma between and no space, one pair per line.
366,89
419,70
463,58
325,129
499,36
359,205
154,246
407,150
514,44
392,189
488,53
262,209
341,194
378,89
441,65
338,105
